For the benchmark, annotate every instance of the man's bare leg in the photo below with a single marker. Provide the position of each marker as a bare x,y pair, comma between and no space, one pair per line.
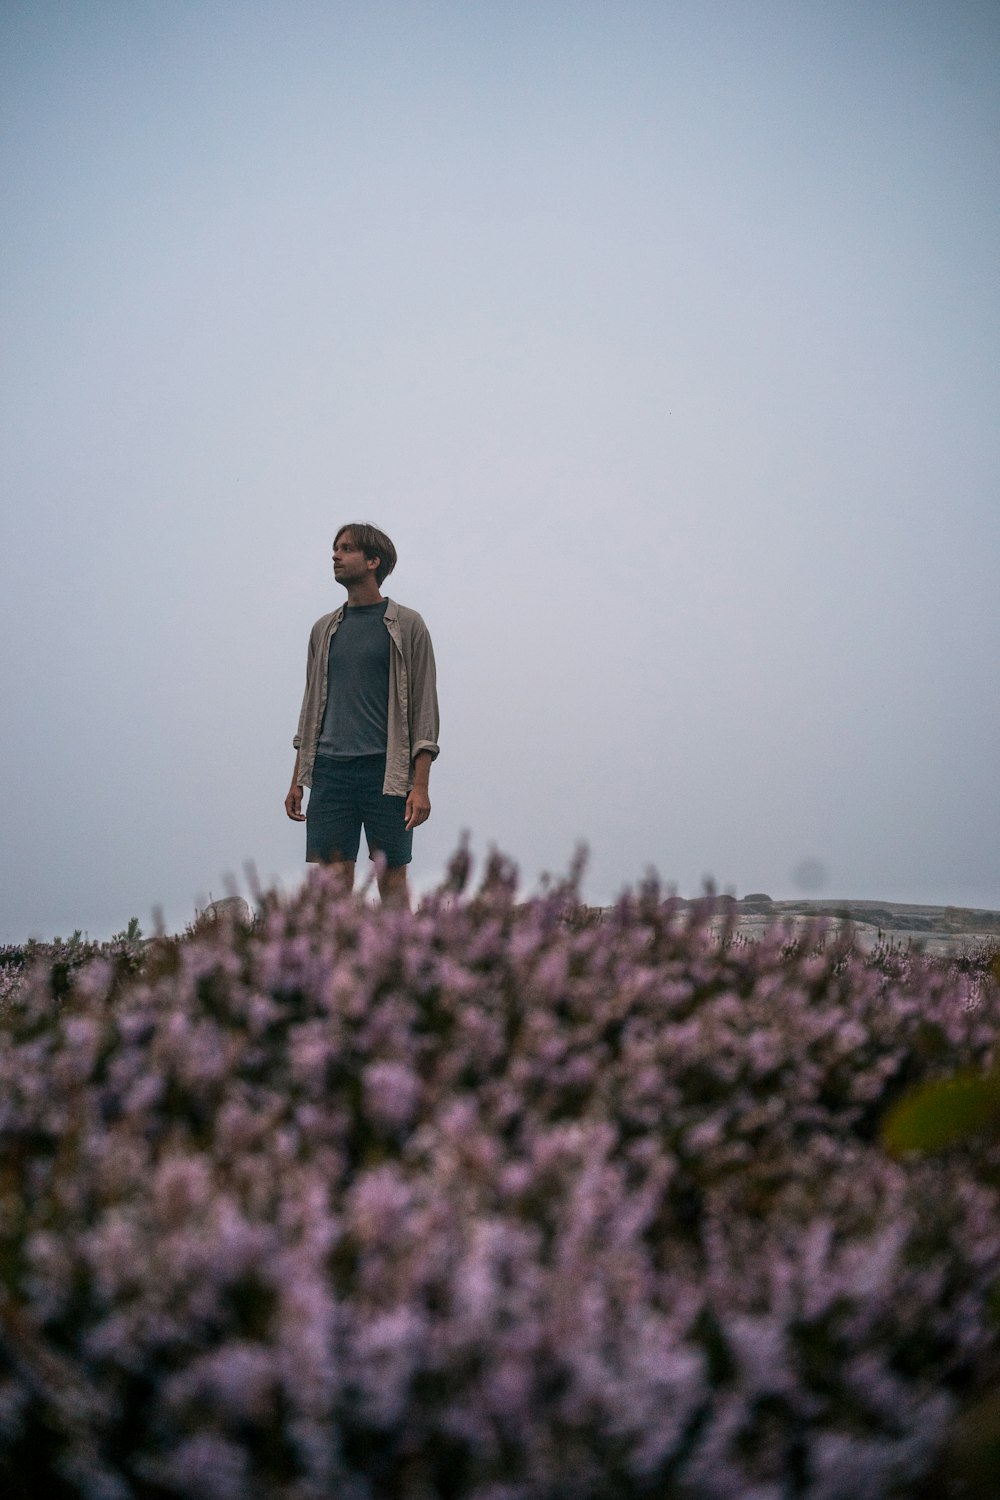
343,872
392,887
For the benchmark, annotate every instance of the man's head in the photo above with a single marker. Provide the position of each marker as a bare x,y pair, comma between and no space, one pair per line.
373,543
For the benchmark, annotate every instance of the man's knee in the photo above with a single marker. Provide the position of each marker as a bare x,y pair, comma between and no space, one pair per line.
342,871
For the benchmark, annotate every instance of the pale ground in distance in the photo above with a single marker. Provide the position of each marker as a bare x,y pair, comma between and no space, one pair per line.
933,929
936,930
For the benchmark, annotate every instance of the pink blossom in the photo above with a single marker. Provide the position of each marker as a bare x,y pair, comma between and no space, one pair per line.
590,1204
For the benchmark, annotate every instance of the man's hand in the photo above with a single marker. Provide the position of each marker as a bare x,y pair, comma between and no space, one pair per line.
293,803
418,807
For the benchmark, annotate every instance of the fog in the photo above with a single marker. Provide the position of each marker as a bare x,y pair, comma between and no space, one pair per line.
660,337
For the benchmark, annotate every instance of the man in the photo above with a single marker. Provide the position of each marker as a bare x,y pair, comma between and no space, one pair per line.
369,723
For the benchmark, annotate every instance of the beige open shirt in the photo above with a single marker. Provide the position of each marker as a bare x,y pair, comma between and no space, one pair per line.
413,705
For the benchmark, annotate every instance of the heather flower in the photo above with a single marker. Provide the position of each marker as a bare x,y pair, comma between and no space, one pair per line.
490,1200
392,1092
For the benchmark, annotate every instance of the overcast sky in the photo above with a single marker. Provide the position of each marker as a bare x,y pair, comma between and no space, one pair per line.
661,337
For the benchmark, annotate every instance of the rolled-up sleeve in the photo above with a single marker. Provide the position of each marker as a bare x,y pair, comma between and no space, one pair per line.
304,710
424,718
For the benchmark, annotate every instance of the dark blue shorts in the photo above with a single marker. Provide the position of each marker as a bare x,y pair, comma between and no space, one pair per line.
346,795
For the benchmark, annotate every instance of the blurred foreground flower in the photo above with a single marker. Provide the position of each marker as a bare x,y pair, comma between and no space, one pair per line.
485,1201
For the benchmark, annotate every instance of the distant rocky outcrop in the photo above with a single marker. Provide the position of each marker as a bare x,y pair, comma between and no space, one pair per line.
756,901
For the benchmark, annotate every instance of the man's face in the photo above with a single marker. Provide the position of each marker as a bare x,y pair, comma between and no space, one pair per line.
350,564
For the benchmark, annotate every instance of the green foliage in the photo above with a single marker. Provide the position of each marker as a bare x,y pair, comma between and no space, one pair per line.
944,1112
130,934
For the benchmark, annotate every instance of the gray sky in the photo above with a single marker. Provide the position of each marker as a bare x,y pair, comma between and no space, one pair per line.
661,337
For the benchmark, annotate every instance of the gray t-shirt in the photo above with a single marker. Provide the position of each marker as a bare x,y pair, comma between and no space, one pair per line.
356,718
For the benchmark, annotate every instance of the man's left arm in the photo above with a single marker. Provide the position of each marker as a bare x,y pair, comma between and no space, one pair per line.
423,723
418,803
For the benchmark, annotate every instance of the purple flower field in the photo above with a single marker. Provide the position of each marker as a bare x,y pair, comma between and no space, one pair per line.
486,1202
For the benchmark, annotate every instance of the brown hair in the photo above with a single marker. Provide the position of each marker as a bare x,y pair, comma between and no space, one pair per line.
373,543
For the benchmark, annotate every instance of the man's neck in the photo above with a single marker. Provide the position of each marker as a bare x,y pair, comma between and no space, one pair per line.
365,592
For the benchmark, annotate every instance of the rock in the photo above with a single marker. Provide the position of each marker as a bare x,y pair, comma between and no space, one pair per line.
229,908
